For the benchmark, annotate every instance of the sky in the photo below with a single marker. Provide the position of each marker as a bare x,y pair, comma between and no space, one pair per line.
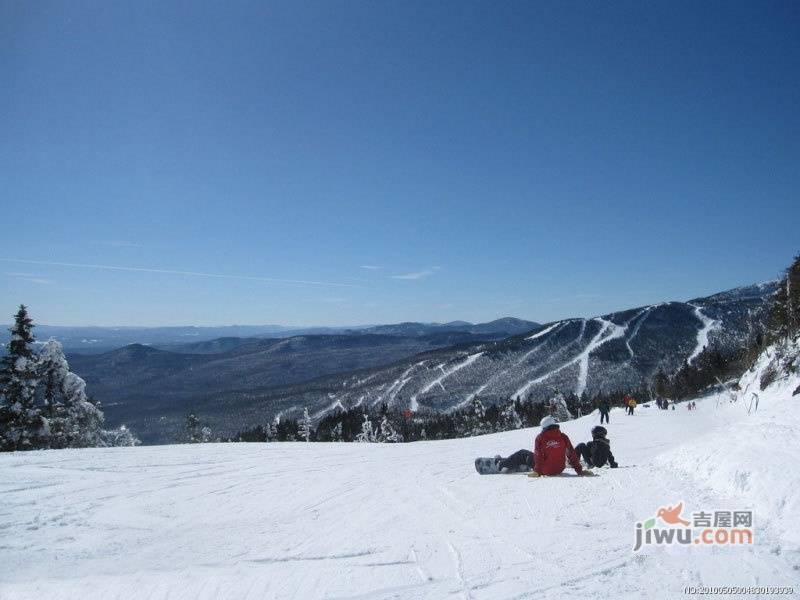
347,162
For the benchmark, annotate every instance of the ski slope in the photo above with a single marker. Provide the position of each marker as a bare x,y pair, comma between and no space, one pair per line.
313,521
707,325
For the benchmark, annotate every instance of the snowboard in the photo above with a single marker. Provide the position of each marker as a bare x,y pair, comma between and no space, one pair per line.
488,466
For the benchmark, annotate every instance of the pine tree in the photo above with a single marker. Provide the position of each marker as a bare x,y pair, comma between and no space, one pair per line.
661,384
84,415
558,405
192,433
388,433
475,418
52,367
120,437
75,420
367,433
22,426
305,426
784,314
792,284
509,418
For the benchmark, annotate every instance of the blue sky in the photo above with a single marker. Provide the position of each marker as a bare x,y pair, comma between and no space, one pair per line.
363,162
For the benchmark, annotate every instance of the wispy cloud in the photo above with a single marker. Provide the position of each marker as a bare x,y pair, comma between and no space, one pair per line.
175,272
118,243
417,274
371,267
32,278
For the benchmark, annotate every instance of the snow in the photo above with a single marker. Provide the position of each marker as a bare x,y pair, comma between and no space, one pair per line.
545,331
640,318
707,325
297,520
445,374
608,331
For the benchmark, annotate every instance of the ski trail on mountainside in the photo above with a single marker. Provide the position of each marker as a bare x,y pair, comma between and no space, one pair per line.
391,393
582,359
545,331
505,371
438,381
640,318
707,326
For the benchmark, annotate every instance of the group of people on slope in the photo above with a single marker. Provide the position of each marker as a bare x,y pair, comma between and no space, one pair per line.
604,406
664,403
552,450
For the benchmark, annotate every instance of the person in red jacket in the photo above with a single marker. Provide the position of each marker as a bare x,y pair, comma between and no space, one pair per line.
551,451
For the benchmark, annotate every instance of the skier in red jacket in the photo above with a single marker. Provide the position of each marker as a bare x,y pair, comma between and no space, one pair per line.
551,451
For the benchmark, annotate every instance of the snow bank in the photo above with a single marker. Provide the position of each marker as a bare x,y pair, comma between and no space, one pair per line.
750,462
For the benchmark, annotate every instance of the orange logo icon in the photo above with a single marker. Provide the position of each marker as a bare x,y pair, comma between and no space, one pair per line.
672,515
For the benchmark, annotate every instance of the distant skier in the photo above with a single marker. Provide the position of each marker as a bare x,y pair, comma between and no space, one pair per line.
630,403
597,452
551,451
604,407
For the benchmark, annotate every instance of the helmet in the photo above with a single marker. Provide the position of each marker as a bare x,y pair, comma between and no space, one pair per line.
548,421
599,431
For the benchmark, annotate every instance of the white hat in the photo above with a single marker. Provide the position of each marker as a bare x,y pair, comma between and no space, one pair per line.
548,421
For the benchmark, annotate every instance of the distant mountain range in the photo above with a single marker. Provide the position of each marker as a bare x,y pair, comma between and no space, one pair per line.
97,340
234,383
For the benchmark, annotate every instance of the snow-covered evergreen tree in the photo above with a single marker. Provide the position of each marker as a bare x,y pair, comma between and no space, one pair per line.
120,437
475,418
558,406
305,429
192,434
22,425
509,419
83,416
367,433
336,433
387,432
75,420
52,365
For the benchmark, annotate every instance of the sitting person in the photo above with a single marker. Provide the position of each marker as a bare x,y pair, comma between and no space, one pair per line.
597,452
551,451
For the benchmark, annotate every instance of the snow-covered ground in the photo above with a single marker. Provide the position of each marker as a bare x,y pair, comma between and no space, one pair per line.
415,520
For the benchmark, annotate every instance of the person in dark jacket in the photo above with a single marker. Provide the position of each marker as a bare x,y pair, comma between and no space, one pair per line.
604,407
597,452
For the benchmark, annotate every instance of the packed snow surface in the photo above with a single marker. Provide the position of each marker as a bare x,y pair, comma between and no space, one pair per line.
308,521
